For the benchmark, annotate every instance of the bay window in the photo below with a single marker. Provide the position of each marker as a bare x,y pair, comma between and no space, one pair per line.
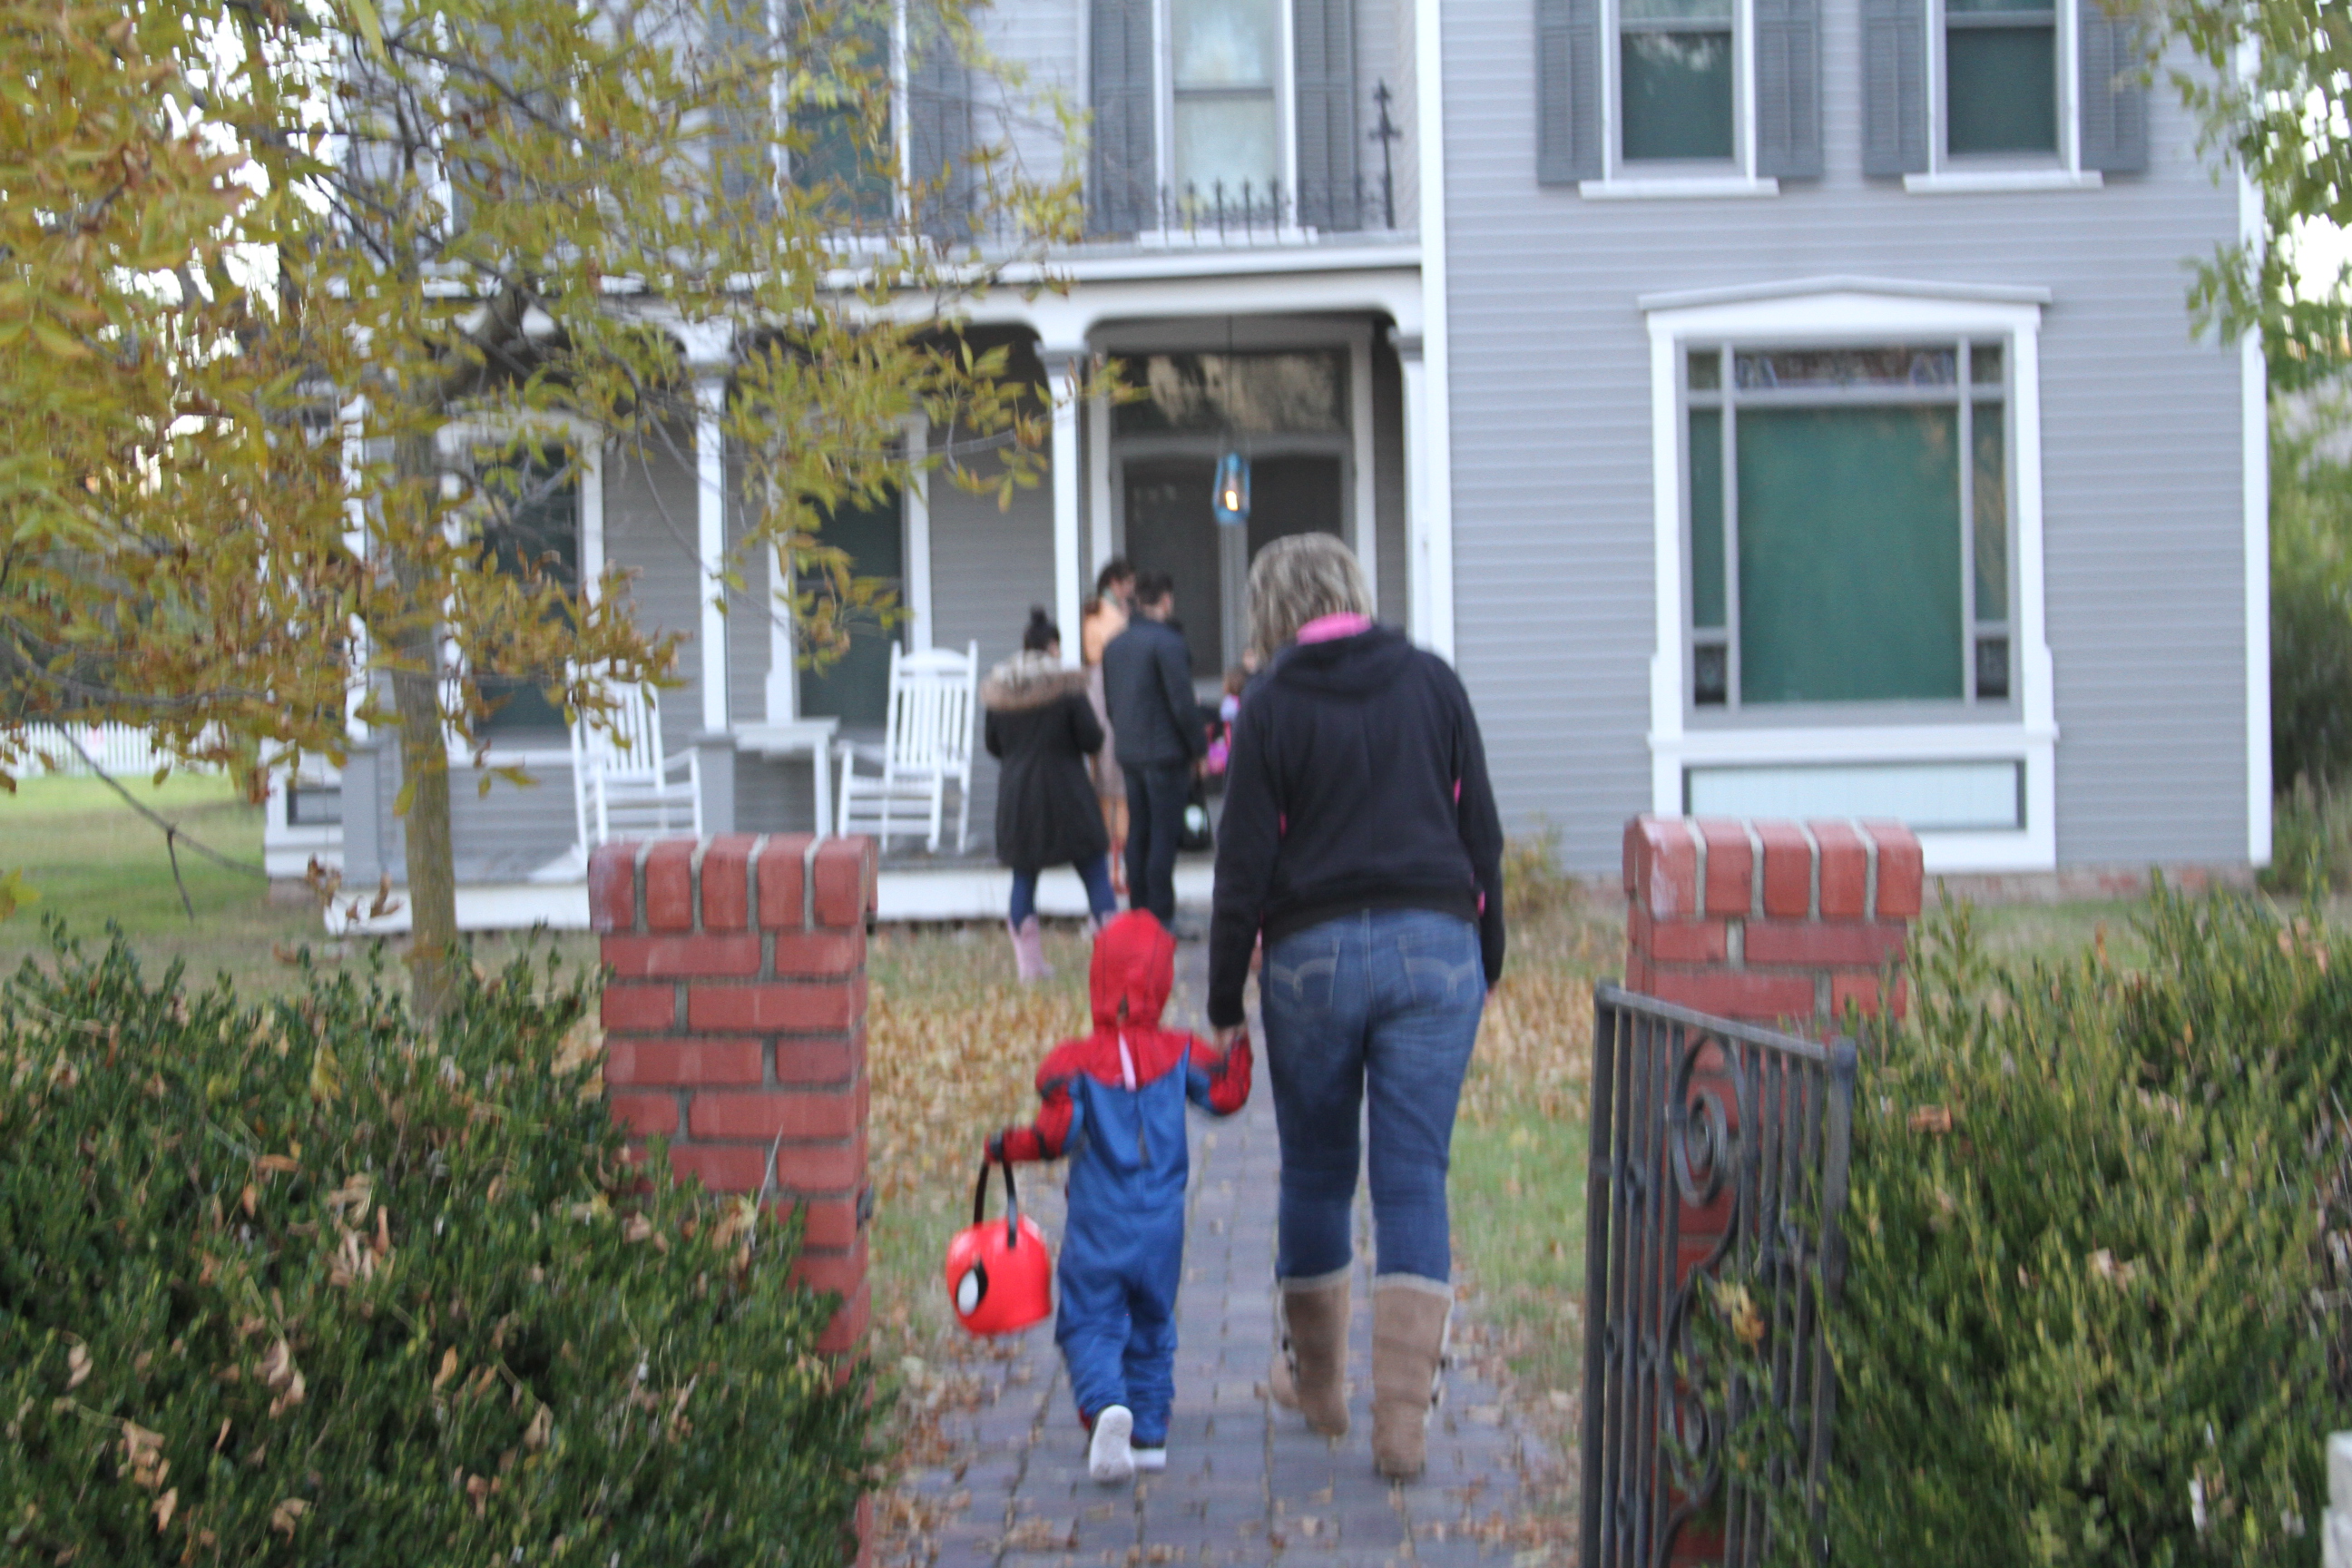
1847,524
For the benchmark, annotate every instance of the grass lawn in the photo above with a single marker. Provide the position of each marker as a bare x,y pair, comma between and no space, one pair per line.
92,860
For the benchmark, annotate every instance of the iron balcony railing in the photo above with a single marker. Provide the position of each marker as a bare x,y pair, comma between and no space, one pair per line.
1719,1162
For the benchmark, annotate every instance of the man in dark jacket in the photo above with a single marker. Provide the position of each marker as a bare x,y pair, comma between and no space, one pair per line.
1155,726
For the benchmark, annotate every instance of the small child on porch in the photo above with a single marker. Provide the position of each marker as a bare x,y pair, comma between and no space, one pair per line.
1114,1103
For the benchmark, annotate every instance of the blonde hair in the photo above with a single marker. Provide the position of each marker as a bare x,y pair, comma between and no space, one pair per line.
1300,579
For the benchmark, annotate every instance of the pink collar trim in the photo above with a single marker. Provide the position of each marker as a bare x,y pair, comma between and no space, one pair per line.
1330,628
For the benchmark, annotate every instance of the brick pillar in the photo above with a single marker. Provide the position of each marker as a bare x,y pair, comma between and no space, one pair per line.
735,1014
1769,920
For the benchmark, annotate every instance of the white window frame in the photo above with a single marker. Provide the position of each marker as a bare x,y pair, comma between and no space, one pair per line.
1976,173
1862,311
1163,99
1623,182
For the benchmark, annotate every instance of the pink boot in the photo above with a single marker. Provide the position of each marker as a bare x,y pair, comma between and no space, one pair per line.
1029,951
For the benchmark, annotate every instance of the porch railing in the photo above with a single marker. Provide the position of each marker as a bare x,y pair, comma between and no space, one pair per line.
1719,1182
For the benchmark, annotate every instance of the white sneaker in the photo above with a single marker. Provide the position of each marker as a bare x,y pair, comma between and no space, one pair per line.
1109,1458
1151,1460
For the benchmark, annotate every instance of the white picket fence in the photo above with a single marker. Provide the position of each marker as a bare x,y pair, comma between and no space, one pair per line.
122,750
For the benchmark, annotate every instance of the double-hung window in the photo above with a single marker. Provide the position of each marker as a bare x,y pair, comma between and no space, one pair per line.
2000,76
1847,524
1972,95
1678,97
1225,78
1675,84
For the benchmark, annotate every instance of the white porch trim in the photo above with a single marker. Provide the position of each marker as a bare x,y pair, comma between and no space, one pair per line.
1429,428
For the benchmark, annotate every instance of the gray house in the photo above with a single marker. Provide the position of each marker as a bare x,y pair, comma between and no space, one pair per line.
1770,406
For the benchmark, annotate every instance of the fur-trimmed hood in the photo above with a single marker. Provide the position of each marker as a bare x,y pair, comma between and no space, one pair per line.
1029,679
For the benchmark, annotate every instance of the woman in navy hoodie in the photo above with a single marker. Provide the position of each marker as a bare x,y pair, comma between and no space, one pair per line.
1360,838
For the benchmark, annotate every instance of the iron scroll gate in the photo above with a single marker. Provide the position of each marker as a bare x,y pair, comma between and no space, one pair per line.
1686,1189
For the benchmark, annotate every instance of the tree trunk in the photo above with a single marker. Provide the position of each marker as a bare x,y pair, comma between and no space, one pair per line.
424,761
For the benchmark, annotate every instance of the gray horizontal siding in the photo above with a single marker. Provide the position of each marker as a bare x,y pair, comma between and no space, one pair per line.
988,567
650,522
1552,507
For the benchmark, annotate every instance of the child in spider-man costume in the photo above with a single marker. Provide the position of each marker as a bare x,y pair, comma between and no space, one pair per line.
1115,1106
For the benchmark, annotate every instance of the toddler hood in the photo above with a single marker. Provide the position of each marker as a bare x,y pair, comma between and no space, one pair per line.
1135,963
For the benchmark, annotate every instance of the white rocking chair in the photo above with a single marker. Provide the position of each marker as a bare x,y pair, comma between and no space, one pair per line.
622,785
927,745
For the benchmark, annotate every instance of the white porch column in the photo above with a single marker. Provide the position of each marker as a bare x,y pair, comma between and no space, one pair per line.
1417,509
1063,367
1099,503
783,691
710,545
919,634
1365,527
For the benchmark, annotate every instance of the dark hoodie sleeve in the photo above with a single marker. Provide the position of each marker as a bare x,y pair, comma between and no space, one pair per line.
1481,827
1248,836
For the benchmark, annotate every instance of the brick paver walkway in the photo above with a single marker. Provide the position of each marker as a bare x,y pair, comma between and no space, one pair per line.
1246,1482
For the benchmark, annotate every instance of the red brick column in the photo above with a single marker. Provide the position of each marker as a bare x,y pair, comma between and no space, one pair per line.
1769,920
735,1015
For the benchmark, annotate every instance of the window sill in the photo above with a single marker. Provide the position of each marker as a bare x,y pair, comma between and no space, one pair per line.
1670,188
1980,182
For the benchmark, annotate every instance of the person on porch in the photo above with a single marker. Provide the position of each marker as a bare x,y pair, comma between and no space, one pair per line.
1156,729
1041,729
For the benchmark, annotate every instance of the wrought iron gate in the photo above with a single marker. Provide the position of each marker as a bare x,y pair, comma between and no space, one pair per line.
1718,1154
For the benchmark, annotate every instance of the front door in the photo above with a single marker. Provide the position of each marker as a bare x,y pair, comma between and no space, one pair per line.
1170,529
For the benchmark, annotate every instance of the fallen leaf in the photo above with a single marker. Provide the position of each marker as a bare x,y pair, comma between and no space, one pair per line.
543,1426
269,1164
76,1367
166,1506
1931,1118
448,1368
283,1517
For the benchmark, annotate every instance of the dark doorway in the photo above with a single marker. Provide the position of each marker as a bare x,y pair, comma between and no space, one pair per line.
1293,495
855,687
1169,528
533,526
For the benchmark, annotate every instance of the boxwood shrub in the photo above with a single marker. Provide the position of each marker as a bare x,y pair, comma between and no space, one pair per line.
2094,1309
298,1281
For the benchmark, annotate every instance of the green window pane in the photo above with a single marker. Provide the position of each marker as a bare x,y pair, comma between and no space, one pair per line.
2000,89
1677,95
1991,487
855,687
1706,370
1849,580
533,526
1984,364
1706,517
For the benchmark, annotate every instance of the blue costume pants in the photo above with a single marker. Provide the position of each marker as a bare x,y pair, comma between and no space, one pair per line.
1116,1325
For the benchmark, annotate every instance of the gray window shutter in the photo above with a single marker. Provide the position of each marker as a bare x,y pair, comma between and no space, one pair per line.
939,126
1324,86
1125,192
1894,86
1567,91
1789,89
2114,104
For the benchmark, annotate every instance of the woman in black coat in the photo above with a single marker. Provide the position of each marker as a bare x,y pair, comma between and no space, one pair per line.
1043,729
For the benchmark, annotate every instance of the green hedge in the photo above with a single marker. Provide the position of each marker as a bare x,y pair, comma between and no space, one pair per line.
291,1282
2087,1318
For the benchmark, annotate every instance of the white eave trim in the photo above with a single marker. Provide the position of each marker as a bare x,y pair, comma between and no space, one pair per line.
1893,288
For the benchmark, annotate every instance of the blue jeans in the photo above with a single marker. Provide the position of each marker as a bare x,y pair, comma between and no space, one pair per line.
1156,798
1093,873
1381,1004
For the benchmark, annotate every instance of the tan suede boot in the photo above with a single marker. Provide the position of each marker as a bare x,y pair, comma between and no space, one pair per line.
1410,1319
1310,1351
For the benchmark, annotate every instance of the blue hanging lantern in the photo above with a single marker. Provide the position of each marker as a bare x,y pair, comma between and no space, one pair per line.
1231,502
